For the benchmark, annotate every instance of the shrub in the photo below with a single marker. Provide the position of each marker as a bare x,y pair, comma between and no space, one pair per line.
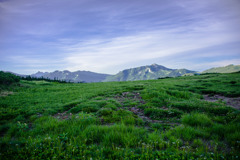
130,103
233,117
20,118
85,107
121,115
85,119
157,126
218,129
116,134
218,110
234,139
159,102
199,106
187,133
156,113
229,132
104,112
187,106
197,143
75,109
179,94
197,119
160,126
8,78
111,106
135,87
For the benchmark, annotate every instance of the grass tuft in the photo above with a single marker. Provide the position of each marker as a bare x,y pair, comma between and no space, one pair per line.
196,119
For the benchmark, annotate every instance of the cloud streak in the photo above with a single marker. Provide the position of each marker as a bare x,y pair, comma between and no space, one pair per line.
107,36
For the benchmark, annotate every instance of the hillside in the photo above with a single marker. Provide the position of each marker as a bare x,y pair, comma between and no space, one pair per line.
227,69
78,76
153,71
140,73
157,119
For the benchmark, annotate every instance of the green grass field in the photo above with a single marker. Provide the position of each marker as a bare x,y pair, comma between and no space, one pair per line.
153,119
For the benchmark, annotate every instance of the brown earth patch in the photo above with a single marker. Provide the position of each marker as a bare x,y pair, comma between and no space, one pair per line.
233,102
5,93
129,95
63,116
140,112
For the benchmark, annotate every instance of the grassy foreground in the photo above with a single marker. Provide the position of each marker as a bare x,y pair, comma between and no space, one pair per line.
154,119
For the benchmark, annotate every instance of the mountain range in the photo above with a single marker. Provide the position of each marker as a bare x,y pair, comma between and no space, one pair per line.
78,76
147,72
227,69
153,71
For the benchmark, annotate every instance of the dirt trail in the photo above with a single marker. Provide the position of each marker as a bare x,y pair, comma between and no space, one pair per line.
139,112
121,99
233,102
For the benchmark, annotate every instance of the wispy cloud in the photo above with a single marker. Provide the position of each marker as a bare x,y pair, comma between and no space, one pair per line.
99,55
107,36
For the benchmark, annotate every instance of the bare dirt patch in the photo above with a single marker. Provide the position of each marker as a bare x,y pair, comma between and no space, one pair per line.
129,95
140,112
63,116
5,93
233,102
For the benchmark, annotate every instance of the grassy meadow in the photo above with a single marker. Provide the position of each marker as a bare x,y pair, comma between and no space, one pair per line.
153,119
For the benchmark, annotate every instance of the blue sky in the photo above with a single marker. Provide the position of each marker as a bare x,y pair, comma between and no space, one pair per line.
107,36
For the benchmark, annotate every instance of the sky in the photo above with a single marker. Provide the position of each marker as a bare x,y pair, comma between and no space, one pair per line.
107,36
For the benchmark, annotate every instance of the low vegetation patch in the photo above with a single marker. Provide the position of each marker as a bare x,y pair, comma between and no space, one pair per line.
8,78
156,113
197,119
155,119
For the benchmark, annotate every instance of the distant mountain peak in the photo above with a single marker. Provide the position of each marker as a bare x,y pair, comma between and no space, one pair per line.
155,64
226,69
78,76
153,71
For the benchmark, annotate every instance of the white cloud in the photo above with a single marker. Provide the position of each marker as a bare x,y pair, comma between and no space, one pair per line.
207,65
223,63
100,54
100,35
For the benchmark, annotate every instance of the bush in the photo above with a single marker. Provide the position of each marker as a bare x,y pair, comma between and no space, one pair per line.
156,113
234,139
85,107
229,132
197,119
121,115
111,106
197,143
179,94
198,106
187,133
160,126
8,78
233,117
120,135
104,112
86,119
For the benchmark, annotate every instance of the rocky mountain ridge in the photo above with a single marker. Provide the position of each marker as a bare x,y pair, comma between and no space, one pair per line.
153,71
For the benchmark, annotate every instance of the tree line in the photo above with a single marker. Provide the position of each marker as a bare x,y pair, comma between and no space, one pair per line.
7,78
29,78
